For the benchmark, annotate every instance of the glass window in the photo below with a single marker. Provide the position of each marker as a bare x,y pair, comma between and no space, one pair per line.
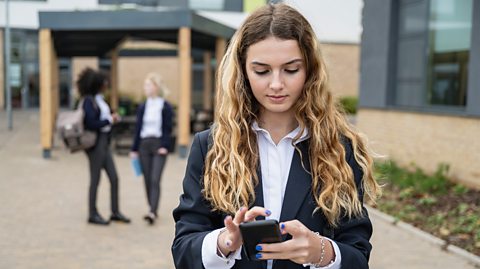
449,36
432,52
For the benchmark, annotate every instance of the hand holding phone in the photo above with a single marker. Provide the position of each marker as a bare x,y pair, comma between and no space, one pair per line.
231,239
257,232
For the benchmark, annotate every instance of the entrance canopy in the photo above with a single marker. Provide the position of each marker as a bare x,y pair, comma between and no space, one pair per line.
95,33
101,33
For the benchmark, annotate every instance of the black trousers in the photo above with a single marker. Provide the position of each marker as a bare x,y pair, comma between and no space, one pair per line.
100,157
152,167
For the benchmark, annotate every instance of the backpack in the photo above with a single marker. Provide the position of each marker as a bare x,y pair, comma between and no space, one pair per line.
71,130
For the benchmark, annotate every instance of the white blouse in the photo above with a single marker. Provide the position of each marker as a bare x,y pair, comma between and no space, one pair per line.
152,118
105,113
275,162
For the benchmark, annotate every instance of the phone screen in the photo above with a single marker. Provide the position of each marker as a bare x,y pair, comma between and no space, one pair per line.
256,232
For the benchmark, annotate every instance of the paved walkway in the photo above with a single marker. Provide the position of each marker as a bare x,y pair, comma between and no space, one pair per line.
43,209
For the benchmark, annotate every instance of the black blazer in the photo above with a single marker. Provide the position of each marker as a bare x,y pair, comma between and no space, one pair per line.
91,119
194,218
167,125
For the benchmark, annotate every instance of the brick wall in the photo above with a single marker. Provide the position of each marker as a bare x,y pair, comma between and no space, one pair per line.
342,61
426,140
132,72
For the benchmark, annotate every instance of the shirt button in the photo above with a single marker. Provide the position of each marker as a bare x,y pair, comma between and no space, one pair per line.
228,262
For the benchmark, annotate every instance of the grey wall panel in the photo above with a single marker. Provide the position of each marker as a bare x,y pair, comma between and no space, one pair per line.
233,5
152,3
411,59
375,53
413,18
473,91
410,94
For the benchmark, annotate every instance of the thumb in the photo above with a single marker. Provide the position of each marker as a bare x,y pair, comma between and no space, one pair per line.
292,227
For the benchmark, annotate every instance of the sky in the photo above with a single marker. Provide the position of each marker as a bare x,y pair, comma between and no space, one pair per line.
333,20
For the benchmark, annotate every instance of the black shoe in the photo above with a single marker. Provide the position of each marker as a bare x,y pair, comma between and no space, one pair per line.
150,218
120,218
97,219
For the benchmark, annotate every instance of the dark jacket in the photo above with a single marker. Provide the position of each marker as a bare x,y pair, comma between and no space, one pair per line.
167,123
195,219
91,119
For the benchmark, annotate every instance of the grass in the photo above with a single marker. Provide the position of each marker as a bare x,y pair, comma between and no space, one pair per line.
431,202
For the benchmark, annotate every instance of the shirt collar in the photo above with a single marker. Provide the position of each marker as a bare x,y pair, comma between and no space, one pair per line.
290,135
155,100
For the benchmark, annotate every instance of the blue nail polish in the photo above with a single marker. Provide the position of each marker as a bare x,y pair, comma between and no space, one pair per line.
258,256
258,248
268,212
282,226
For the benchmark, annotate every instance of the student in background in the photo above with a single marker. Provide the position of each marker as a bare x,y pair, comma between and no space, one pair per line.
100,119
152,139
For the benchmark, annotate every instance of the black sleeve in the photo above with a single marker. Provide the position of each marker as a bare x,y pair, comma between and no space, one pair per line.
193,217
91,118
352,235
167,122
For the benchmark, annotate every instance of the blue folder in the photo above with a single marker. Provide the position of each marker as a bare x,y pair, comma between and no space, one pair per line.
137,168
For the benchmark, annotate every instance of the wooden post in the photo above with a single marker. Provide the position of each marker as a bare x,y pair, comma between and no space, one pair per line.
2,72
207,81
184,104
55,87
220,47
46,91
114,81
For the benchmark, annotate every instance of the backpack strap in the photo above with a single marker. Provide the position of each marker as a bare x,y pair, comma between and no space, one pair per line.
82,101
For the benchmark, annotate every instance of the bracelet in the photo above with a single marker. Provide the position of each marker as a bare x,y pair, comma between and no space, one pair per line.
322,251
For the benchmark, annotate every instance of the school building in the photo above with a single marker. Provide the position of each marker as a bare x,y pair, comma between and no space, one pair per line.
420,83
53,40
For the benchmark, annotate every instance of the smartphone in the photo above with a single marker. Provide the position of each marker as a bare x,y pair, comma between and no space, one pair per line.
259,231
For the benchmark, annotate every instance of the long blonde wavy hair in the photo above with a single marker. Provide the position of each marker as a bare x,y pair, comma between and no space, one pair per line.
231,164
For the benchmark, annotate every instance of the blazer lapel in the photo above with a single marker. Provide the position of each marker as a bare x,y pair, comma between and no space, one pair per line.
298,184
259,191
259,202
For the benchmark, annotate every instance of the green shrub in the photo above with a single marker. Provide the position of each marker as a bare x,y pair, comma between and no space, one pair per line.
416,182
349,104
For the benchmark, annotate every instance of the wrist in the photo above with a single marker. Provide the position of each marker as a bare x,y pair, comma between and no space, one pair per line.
326,254
222,248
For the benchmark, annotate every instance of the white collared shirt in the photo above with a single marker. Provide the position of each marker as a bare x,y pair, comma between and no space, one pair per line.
152,118
275,162
105,113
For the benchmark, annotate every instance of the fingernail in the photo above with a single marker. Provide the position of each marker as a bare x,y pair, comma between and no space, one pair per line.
282,226
268,212
258,256
258,248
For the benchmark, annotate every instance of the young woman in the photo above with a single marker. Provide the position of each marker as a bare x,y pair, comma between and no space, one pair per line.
153,139
279,149
98,118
